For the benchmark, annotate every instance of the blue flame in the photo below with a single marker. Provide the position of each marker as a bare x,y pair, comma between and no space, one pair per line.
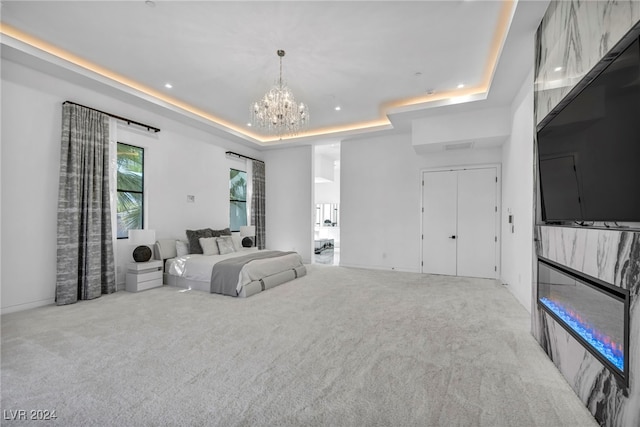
612,352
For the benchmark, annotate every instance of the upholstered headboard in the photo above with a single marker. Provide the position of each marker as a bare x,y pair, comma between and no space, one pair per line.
165,249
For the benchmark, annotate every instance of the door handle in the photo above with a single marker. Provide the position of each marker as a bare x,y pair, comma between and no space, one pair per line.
452,237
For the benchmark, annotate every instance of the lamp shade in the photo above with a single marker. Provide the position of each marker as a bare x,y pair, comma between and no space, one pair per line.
141,239
248,230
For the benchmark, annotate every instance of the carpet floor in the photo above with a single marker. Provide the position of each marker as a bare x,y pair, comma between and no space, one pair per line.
338,347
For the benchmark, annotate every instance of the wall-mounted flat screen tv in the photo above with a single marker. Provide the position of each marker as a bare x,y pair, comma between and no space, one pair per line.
589,153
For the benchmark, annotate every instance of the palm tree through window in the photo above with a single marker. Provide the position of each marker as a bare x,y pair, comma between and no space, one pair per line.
237,199
130,184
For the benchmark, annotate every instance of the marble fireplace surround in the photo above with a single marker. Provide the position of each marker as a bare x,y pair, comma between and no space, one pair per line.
612,256
576,35
594,312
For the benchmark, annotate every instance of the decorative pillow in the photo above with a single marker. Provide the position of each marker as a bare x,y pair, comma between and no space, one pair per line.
247,242
209,245
182,248
237,242
194,235
218,233
225,245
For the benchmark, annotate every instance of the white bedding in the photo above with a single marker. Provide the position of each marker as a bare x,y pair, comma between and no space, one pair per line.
199,267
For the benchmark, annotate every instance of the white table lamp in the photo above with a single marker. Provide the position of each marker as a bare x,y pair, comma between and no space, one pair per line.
142,239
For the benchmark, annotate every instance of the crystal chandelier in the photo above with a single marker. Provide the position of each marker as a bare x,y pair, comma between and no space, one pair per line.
277,112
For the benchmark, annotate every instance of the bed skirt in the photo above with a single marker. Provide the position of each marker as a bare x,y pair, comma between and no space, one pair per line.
248,290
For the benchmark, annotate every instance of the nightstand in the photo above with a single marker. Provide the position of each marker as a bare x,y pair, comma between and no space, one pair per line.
143,275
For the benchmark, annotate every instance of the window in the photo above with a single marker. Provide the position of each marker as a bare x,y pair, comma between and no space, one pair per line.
130,178
237,199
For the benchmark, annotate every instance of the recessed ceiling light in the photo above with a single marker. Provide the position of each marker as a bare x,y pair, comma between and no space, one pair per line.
150,3
460,86
337,108
430,91
168,85
557,69
249,124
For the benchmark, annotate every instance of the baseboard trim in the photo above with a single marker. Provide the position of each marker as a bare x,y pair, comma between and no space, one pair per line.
381,267
26,306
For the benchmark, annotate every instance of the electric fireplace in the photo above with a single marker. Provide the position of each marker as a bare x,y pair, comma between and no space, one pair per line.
594,312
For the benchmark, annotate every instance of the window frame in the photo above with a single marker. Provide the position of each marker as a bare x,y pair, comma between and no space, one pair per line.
141,193
238,200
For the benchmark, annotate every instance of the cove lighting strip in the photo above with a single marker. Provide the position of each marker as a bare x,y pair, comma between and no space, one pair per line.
442,98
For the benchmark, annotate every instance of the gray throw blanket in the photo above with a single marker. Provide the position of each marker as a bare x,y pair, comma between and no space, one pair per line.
225,273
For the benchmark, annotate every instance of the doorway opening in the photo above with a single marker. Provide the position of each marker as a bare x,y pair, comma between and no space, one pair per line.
327,204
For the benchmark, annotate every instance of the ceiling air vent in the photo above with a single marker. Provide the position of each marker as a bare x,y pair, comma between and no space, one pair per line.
459,146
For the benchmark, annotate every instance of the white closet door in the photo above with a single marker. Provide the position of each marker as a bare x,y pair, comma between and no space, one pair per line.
439,222
459,222
477,210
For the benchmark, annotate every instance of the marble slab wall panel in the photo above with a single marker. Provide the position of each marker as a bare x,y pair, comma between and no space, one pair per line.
575,35
578,248
614,257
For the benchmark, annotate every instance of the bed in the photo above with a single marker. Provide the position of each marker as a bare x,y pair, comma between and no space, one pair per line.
242,272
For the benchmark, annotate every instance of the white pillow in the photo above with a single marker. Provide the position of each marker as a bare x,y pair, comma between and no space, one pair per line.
225,245
182,248
237,242
209,245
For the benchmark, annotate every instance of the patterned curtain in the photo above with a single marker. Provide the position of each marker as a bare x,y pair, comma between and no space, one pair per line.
85,248
257,203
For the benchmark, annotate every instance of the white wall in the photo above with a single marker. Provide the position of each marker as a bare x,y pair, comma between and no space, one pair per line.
381,195
517,193
31,129
180,160
1,199
329,192
481,126
328,168
380,203
290,207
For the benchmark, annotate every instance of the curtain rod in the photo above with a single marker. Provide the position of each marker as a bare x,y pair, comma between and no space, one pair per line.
124,119
231,153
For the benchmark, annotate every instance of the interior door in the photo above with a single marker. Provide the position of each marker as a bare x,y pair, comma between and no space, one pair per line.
439,223
477,210
459,222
